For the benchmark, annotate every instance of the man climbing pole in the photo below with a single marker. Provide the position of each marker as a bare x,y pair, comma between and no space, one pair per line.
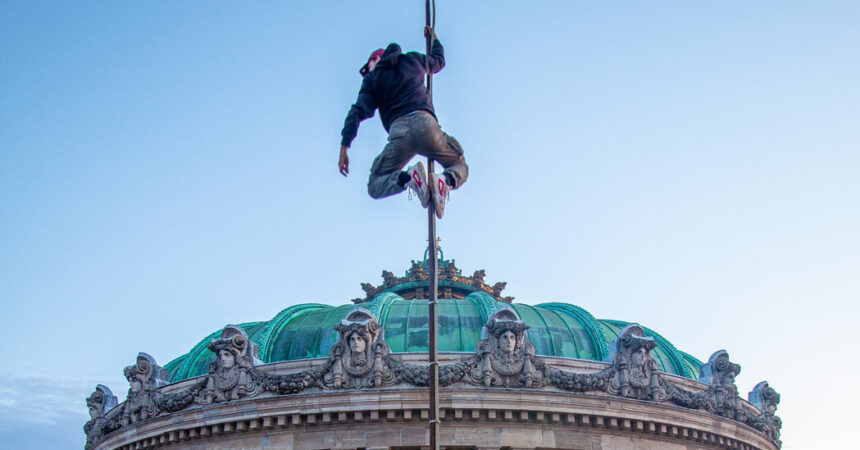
394,83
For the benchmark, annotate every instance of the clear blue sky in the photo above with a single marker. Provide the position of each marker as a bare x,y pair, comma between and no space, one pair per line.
167,168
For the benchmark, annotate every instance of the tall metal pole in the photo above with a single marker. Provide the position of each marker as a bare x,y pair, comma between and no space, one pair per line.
431,239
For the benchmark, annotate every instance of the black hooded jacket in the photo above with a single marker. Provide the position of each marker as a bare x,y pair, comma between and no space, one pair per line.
395,87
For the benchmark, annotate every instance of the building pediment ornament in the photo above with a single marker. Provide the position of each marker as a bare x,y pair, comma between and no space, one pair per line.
230,375
766,399
99,403
361,359
721,397
449,275
144,378
506,357
636,373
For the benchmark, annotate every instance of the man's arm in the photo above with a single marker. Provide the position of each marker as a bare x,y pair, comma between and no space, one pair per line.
363,108
435,61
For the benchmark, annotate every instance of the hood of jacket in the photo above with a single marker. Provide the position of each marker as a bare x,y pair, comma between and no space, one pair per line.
390,57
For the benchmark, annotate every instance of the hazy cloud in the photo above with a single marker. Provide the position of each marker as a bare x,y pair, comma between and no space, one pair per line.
38,413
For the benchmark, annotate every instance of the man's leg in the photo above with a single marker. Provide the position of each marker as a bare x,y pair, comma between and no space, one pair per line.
386,176
446,150
456,171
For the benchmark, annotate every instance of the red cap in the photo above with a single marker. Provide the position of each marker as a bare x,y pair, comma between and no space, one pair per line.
376,54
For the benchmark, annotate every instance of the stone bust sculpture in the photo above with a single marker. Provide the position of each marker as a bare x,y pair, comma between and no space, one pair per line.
766,399
719,372
99,402
358,357
636,373
229,375
506,357
143,378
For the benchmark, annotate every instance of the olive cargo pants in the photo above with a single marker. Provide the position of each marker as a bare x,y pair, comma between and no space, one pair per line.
417,132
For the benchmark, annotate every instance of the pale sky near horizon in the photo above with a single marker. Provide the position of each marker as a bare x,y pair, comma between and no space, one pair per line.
167,168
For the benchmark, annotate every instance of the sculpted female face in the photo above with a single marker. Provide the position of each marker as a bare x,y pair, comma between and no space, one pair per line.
357,343
728,380
507,342
228,359
136,382
93,404
637,358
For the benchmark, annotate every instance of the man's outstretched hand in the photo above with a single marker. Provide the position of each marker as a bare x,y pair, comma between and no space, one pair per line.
430,33
343,161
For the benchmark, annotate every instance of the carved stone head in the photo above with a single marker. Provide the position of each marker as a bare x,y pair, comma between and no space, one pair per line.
359,332
506,329
143,378
765,398
233,348
100,401
235,356
357,342
359,353
146,374
505,338
631,347
719,372
507,358
507,342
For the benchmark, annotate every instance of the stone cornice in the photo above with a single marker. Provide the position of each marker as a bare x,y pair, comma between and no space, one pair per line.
516,407
503,368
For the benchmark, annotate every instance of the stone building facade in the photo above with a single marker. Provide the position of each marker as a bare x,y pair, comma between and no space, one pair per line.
504,394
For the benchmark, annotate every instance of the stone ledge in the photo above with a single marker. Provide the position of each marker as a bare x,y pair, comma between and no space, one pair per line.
373,411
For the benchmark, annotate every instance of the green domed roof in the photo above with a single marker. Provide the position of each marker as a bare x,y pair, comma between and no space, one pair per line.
556,329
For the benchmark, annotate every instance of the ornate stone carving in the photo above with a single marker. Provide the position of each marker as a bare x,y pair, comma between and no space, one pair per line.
721,397
99,403
581,382
143,378
448,272
506,357
229,375
358,358
766,399
361,359
720,374
636,373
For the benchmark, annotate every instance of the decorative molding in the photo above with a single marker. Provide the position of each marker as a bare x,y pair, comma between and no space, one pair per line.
452,283
361,359
388,415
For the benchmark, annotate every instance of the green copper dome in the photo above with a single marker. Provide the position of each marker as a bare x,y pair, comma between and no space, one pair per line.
556,329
